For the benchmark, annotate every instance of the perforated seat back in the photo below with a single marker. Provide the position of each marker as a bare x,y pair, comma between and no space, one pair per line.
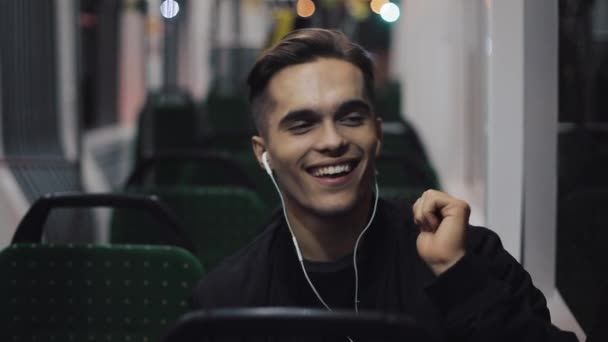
218,220
93,293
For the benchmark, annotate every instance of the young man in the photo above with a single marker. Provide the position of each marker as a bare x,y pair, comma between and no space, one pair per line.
319,136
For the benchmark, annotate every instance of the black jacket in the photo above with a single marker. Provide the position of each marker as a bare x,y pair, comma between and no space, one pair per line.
486,296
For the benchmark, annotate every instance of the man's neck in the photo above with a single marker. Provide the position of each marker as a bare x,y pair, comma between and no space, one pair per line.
328,238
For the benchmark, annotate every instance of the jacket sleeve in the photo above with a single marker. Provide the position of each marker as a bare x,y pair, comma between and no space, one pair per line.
488,296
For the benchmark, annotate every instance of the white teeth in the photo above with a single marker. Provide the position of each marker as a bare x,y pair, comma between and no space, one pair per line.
331,170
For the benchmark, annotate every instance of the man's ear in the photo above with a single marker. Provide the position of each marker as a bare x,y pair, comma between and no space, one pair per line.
378,135
259,146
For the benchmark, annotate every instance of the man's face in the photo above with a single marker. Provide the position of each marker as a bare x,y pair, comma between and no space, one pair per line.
322,137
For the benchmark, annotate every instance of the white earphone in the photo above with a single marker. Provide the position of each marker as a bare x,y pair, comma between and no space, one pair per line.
297,247
265,162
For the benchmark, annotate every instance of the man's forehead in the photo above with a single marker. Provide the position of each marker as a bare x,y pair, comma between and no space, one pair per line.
320,85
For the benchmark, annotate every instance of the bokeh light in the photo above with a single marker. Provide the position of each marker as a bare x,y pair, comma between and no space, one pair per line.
305,8
390,12
376,5
358,9
169,9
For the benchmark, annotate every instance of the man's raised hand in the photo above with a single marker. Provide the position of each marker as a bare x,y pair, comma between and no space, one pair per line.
443,222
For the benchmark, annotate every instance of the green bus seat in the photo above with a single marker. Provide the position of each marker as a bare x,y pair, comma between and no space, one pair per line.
169,120
217,220
153,212
400,171
92,292
198,168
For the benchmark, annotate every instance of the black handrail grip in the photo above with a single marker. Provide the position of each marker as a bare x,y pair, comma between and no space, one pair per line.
186,156
285,321
30,228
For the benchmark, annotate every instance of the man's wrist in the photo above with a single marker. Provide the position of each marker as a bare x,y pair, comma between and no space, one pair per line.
441,267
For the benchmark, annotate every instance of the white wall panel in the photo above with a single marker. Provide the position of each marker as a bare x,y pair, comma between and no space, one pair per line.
505,121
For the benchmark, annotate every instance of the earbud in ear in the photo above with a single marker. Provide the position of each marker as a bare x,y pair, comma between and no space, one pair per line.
266,164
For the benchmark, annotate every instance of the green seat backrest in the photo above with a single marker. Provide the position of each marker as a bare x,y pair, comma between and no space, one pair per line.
92,292
239,148
197,169
403,172
218,220
136,226
228,142
393,173
228,113
213,175
396,143
408,195
404,142
388,101
168,121
260,178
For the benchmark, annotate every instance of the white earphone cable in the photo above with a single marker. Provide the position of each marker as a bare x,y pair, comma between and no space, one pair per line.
299,253
357,246
297,247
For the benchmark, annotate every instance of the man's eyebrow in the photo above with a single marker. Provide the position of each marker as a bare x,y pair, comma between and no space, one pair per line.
353,104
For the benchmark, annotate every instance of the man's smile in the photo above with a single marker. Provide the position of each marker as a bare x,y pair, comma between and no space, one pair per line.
334,172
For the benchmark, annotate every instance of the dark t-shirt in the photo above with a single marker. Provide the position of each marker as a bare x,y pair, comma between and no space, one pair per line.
335,281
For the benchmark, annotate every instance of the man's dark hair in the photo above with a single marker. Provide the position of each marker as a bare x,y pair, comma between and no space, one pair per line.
298,47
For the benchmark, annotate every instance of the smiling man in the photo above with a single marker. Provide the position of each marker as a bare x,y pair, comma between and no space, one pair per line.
336,245
321,138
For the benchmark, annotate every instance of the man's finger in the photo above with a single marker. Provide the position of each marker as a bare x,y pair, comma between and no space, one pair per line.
429,211
420,213
415,209
446,205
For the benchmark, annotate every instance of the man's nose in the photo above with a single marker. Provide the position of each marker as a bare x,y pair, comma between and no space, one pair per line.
330,140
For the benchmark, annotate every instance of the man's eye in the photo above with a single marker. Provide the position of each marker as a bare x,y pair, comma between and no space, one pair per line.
353,119
299,127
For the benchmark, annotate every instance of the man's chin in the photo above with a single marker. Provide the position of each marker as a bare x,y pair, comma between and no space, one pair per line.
333,210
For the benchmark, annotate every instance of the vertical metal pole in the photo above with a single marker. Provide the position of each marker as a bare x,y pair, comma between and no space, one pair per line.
65,11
